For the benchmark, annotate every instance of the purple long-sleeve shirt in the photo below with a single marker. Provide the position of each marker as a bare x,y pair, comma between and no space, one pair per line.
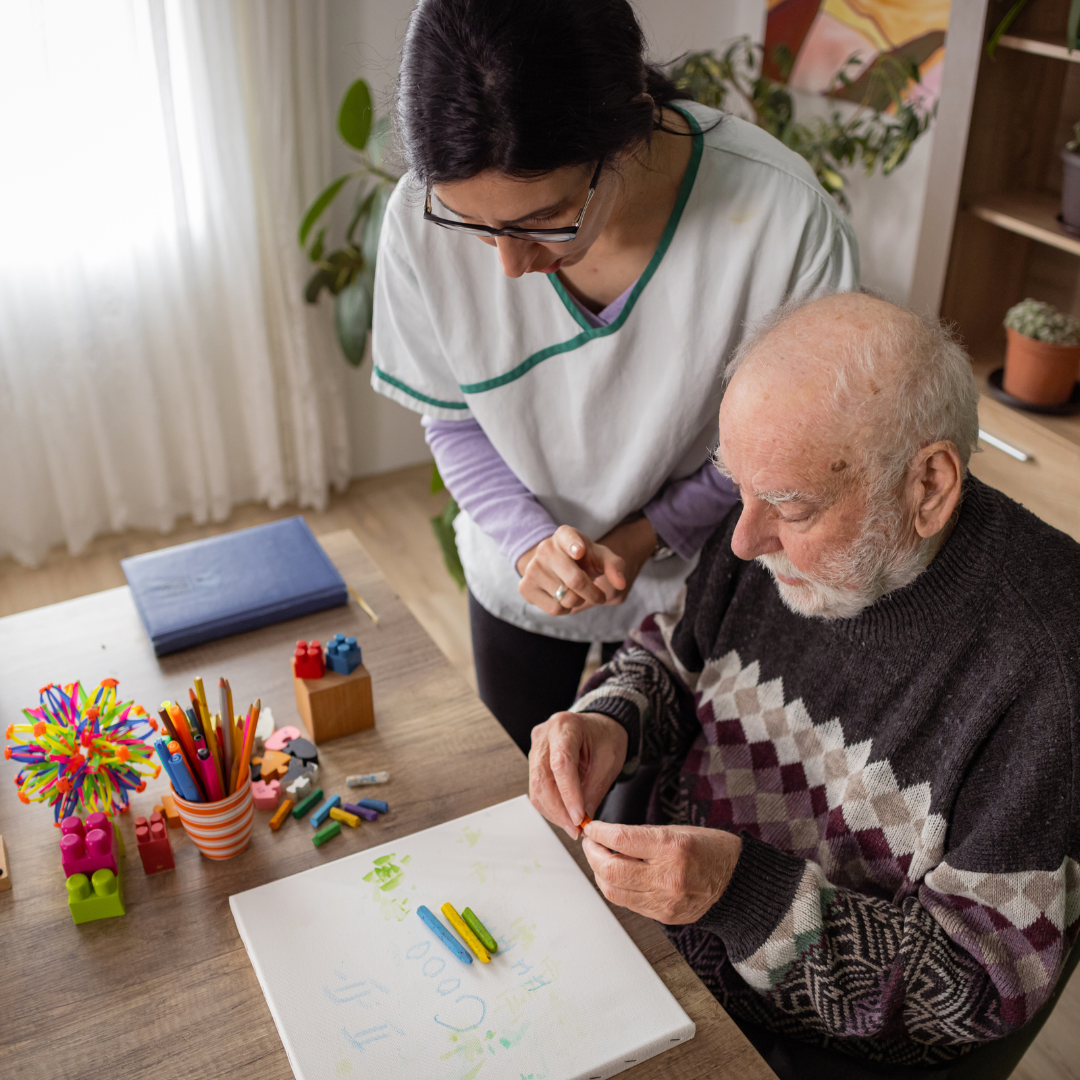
683,513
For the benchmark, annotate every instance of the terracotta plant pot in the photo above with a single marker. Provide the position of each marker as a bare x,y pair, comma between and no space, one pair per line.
1038,372
1070,189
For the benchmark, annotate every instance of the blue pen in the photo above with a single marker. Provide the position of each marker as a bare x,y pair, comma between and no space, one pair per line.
444,935
187,787
161,745
323,812
374,804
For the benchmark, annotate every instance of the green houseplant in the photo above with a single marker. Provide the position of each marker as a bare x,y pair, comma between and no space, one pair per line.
1043,353
1070,182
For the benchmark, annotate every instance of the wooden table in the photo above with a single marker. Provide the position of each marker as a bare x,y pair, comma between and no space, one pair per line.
168,991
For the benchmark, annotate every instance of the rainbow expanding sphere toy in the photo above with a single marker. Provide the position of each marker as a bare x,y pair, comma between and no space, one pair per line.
82,752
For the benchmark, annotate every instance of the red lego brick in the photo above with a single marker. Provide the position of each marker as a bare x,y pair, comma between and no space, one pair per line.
308,660
154,848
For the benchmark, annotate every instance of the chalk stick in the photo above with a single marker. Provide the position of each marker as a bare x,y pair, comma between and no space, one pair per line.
360,811
306,803
480,930
374,804
323,812
443,934
470,939
344,816
327,832
280,814
363,779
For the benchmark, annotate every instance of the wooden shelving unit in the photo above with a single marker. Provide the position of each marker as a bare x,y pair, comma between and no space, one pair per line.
1007,244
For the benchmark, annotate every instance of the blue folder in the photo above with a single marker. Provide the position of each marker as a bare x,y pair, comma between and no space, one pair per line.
232,583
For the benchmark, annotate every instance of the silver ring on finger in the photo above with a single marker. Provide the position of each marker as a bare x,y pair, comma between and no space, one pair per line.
560,592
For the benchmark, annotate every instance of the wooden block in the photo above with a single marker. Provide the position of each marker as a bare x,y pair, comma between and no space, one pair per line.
5,873
335,705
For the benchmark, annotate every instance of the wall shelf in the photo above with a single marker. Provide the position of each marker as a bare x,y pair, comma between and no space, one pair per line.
1029,213
1040,47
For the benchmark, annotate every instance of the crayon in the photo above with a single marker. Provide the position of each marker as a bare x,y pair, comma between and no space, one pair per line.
323,812
480,930
374,804
444,935
327,832
343,815
280,814
360,811
362,779
456,921
306,803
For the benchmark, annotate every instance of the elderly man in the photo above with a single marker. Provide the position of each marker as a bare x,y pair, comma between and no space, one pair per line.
866,823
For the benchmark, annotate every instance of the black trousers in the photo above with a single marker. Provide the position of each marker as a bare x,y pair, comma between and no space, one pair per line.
524,677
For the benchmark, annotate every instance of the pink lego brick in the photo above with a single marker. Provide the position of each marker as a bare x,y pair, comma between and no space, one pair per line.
87,847
155,850
266,794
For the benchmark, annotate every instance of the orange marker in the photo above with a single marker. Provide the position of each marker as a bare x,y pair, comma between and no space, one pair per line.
585,821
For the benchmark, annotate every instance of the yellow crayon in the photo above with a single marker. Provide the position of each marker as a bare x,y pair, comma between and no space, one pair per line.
343,815
458,923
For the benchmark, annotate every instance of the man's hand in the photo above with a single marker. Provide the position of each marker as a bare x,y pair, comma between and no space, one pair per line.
591,573
574,759
671,873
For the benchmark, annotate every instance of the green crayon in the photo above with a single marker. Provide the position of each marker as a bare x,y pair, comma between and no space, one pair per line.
480,930
327,832
306,803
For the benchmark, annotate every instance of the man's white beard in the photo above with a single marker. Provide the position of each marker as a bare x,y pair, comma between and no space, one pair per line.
851,580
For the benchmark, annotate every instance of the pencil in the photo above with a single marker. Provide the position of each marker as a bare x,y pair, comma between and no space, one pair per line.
202,695
226,751
249,738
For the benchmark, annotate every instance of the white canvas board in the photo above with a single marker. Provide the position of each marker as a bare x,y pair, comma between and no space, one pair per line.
359,986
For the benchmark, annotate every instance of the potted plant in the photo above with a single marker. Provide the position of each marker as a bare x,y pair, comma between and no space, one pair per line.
1043,354
1070,182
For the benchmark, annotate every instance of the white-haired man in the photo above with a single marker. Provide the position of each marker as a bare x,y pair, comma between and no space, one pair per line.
865,827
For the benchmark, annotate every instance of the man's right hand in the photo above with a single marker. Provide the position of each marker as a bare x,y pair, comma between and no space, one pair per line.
574,760
590,573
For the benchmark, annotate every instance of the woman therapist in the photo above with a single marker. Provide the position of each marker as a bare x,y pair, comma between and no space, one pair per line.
562,275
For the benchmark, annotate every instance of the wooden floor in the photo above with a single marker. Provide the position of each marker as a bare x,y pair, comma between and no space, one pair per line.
390,515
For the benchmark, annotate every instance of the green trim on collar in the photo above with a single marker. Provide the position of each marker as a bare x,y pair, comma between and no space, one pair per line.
591,332
416,394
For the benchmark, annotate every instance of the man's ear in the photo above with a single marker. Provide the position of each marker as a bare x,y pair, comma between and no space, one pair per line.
934,481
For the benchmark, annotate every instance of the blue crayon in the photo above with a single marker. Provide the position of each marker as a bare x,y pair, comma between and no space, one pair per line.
444,935
320,815
374,804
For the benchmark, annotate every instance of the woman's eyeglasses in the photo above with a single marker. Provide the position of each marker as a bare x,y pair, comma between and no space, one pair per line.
542,236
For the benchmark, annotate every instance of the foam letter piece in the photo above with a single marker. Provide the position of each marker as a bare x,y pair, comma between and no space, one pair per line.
299,789
97,897
86,848
274,765
266,795
155,850
281,737
302,749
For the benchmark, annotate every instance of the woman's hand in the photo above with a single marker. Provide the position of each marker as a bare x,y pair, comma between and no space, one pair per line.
574,759
591,573
671,873
634,542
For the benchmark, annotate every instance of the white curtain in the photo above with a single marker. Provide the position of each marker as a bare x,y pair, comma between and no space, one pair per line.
156,355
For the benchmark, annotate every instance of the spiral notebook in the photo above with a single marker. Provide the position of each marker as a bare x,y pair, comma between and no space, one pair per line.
358,985
228,584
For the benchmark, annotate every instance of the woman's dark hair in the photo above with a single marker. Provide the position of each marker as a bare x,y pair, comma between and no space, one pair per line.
523,86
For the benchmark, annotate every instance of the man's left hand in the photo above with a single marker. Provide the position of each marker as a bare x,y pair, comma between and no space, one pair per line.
671,873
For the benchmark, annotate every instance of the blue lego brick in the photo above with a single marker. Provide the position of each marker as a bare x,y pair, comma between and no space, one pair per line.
343,654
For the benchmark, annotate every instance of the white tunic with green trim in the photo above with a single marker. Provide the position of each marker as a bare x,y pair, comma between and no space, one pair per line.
594,421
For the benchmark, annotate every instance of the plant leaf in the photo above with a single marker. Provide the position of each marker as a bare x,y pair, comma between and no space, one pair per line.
443,527
318,281
1073,24
369,237
363,206
315,210
354,116
315,254
437,484
1003,26
352,318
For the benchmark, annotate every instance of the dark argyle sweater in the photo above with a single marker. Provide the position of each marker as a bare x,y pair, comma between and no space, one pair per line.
905,783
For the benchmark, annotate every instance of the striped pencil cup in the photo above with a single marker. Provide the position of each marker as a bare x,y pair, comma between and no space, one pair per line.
222,829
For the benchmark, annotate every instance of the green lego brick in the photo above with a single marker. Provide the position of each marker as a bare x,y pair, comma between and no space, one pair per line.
99,897
327,832
306,803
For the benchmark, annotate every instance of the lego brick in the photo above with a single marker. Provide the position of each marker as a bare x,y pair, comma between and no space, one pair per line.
266,795
323,812
308,661
98,897
274,765
280,739
344,816
327,832
361,811
172,817
335,705
343,654
155,850
302,749
280,814
375,804
5,870
306,803
90,846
